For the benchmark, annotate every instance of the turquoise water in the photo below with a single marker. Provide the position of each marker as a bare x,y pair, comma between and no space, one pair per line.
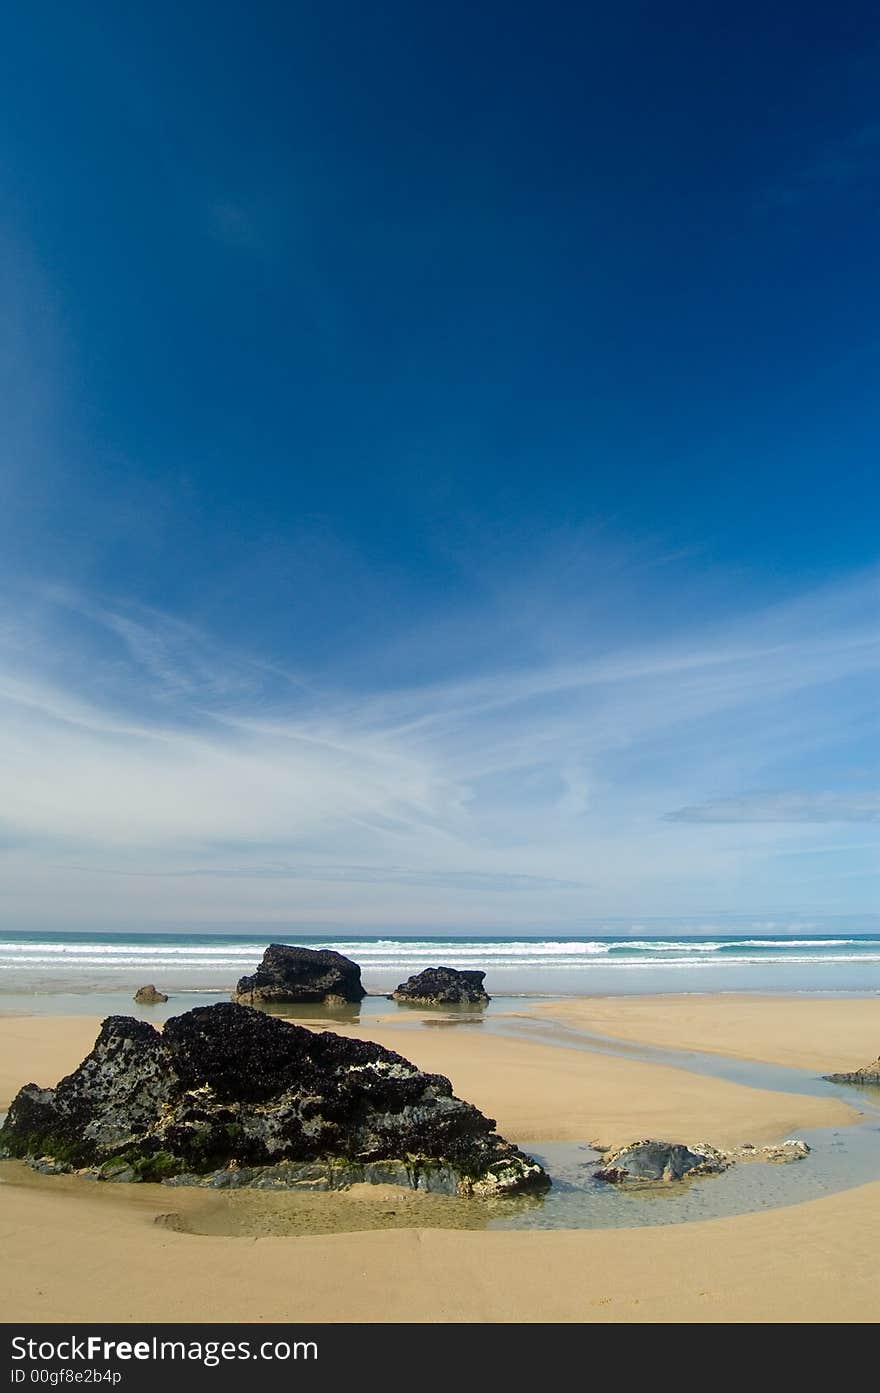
75,963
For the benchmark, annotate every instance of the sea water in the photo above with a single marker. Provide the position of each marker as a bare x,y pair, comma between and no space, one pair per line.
548,965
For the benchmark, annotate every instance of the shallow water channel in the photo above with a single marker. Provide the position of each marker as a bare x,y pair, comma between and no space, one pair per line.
840,1157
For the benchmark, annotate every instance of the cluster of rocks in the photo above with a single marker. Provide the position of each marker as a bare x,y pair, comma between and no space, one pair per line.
226,1095
655,1161
791,1150
290,975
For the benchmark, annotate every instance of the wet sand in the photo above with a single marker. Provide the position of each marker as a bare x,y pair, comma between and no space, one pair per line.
825,1034
104,1259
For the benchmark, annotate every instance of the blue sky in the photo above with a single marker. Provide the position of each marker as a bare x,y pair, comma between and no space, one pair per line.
438,479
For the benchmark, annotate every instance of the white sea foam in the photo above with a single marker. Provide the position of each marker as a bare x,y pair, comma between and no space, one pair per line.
519,964
797,942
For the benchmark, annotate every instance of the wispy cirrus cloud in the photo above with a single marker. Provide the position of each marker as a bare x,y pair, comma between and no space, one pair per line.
530,794
784,807
352,875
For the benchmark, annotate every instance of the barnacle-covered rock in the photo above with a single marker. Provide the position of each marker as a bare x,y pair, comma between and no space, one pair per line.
227,1091
289,974
443,986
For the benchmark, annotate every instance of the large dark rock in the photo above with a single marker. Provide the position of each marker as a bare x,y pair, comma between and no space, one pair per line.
289,974
228,1096
441,986
659,1160
870,1075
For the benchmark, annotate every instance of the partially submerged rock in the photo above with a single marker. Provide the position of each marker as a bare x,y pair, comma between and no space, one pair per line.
654,1161
442,986
227,1096
870,1076
148,996
659,1160
791,1150
290,974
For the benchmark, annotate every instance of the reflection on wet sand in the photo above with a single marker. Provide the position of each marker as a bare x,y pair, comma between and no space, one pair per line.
280,1213
315,1014
453,1020
322,1016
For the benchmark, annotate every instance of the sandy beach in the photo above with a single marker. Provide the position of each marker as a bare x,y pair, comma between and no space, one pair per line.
823,1033
75,1250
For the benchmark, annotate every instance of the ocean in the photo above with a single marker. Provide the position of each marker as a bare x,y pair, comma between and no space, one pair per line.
81,963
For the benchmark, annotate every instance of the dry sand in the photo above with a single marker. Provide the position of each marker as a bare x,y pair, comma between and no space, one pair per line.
41,1049
98,1254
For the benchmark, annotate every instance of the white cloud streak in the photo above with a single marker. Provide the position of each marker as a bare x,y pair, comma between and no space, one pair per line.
792,806
614,783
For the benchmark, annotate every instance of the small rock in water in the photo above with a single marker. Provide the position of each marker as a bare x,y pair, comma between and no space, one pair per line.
790,1150
659,1160
149,996
869,1075
46,1165
668,1161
